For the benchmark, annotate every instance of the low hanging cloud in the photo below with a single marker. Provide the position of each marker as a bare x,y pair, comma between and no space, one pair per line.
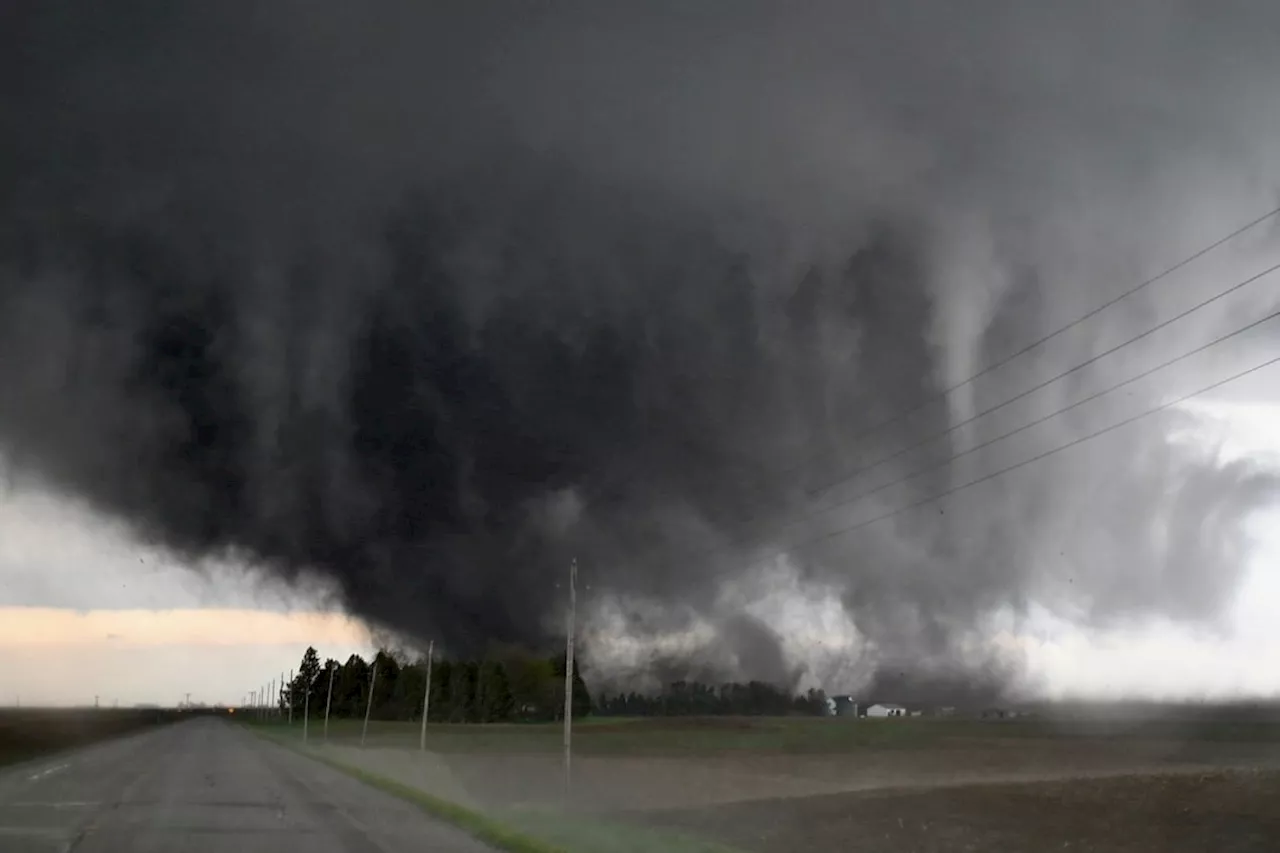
424,303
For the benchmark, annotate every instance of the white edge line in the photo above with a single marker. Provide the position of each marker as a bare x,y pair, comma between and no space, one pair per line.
49,771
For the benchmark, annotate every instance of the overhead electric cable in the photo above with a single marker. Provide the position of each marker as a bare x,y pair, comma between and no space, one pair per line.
1041,456
815,513
1165,273
1047,382
1038,421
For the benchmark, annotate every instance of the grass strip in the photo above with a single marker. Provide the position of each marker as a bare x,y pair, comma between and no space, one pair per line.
607,836
524,831
474,823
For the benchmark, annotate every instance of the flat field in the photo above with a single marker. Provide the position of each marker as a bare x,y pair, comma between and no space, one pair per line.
1172,783
27,733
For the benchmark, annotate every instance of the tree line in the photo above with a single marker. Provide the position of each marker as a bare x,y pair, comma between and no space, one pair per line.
697,699
513,686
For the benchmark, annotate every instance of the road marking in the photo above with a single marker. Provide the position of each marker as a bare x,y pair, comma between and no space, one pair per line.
62,804
49,771
41,831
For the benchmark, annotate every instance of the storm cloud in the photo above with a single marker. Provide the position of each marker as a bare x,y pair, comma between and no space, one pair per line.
425,300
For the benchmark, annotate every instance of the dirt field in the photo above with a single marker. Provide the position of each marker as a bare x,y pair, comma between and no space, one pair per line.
1218,811
927,785
27,733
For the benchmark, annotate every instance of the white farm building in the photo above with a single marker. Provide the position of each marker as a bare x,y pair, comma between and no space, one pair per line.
886,710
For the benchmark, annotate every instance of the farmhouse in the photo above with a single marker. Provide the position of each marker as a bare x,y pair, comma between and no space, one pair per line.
884,709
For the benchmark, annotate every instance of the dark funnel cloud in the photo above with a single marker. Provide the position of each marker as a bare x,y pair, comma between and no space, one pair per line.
422,300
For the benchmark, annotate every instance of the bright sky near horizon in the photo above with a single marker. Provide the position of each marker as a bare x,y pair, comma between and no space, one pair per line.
86,612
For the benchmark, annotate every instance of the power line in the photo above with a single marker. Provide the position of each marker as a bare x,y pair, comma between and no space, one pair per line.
1165,273
1033,389
1034,423
815,513
1168,271
1037,458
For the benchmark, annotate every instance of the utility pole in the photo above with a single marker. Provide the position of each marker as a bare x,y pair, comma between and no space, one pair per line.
328,702
291,696
568,678
306,709
426,698
95,703
187,703
373,679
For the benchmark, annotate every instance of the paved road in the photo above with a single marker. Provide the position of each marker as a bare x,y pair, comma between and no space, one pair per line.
205,786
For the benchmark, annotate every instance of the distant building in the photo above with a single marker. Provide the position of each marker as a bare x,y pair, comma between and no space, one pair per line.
884,709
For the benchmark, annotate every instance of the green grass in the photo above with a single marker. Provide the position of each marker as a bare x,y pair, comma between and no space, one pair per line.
785,735
605,836
645,737
525,830
480,826
520,831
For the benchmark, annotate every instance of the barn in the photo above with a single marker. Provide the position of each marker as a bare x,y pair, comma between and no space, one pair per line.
884,709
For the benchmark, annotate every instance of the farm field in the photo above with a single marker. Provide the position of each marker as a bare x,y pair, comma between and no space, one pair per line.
27,733
769,785
1137,813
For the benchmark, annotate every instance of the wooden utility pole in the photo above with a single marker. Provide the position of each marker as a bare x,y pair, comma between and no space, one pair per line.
568,679
328,703
306,709
426,698
373,679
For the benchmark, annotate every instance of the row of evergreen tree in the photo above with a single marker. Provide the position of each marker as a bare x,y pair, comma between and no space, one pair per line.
512,686
696,699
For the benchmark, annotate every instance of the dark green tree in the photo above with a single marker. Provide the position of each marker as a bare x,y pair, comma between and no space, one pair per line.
305,678
350,689
441,681
321,697
407,699
462,692
534,685
384,688
493,693
581,703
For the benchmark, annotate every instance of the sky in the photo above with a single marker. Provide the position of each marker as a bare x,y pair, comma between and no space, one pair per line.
1163,660
87,611
141,629
287,294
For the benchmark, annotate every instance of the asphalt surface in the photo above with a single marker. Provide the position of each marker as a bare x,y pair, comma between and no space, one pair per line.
204,786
